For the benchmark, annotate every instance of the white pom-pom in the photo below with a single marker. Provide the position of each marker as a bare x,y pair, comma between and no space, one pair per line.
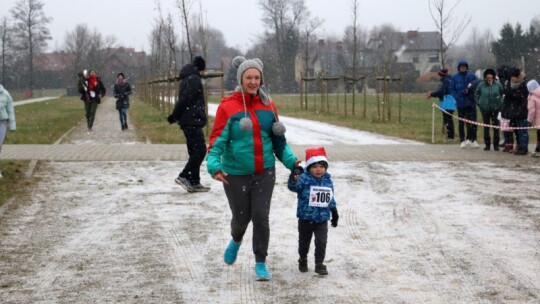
245,124
237,61
278,128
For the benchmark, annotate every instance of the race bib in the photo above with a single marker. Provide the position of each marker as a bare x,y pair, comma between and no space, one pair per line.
320,196
92,94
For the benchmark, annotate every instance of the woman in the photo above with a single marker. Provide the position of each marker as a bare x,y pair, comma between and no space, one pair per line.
533,106
516,93
96,90
488,95
446,102
122,90
245,140
7,115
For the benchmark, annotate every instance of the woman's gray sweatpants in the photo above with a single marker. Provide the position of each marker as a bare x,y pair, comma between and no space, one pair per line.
3,130
249,199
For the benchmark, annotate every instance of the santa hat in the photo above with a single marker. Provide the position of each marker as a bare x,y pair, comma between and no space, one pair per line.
315,155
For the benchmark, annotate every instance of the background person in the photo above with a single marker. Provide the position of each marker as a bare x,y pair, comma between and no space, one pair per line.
122,90
245,141
7,115
517,93
446,102
190,113
533,108
489,95
458,86
96,91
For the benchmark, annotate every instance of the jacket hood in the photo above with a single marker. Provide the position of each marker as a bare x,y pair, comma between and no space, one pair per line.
462,62
535,92
188,70
2,90
532,85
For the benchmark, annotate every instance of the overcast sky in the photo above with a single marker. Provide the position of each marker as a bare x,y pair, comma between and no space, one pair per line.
240,20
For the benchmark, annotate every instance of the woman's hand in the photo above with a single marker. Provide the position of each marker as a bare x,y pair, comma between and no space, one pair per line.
220,176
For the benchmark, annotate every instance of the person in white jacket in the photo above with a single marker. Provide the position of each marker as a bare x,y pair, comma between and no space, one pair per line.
533,111
7,116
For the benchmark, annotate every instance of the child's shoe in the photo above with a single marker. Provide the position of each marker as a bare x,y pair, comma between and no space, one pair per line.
302,265
231,252
261,274
321,269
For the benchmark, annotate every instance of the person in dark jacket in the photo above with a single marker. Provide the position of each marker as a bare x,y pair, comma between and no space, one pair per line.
490,101
95,91
446,103
503,74
465,106
122,90
517,94
190,113
316,203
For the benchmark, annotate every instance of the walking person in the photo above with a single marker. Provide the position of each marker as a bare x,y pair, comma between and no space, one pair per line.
446,102
465,107
533,107
489,95
316,206
7,115
122,90
517,94
246,139
190,113
95,91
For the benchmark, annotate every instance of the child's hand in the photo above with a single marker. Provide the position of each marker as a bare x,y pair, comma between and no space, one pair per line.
295,173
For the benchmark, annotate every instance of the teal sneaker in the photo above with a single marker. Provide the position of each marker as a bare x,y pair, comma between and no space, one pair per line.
231,252
261,274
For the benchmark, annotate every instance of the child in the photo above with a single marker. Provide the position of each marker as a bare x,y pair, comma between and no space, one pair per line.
315,204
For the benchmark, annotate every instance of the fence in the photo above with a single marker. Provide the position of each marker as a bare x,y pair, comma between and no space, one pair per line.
383,104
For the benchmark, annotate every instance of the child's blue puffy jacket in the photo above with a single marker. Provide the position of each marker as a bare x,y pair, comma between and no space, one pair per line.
302,187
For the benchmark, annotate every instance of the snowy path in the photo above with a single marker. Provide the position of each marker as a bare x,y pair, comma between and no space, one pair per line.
308,132
409,232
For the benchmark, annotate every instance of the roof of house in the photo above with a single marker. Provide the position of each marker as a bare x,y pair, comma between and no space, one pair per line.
411,40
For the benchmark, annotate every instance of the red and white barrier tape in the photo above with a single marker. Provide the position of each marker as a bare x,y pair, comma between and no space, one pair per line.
483,124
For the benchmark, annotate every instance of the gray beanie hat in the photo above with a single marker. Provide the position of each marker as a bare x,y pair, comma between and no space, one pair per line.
242,64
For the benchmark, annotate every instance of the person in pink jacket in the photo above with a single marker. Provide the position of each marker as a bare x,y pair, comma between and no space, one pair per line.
533,107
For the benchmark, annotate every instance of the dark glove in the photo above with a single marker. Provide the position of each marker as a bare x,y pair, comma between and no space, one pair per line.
296,171
171,119
335,217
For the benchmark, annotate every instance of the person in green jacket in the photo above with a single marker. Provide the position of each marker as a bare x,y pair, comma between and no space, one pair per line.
245,141
7,115
488,95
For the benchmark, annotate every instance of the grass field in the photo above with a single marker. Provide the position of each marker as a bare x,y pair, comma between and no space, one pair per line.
45,122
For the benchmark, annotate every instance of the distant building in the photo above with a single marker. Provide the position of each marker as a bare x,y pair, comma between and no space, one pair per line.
399,54
57,70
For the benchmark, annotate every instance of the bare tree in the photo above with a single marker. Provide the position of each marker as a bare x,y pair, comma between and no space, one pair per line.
77,43
6,46
185,11
30,30
535,23
284,18
203,32
449,25
355,5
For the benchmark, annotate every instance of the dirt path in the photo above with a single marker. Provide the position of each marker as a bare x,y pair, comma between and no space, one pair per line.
410,232
106,129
